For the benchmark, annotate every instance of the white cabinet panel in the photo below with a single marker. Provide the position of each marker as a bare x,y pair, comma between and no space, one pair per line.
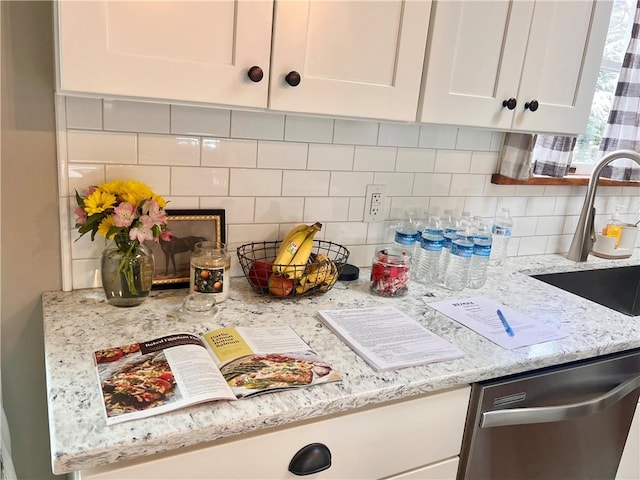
372,443
355,58
175,50
629,468
483,53
446,470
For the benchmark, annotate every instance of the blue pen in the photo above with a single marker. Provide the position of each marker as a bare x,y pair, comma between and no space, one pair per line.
506,325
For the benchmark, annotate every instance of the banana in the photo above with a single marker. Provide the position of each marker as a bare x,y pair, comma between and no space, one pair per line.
295,230
294,254
331,279
318,272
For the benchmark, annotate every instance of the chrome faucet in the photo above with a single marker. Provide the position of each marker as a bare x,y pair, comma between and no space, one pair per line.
584,238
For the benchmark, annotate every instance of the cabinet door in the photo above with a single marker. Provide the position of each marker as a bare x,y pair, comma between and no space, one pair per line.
474,60
355,58
184,50
565,48
629,468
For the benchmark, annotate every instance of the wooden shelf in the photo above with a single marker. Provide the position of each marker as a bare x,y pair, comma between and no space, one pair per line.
573,180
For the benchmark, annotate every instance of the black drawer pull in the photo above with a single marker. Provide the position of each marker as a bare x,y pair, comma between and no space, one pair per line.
310,459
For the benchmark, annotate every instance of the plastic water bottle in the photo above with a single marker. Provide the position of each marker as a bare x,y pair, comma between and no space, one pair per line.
480,259
455,278
450,226
500,233
407,236
431,242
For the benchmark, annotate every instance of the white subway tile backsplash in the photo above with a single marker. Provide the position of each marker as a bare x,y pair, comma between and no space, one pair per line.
82,176
452,161
257,125
158,178
129,116
352,184
245,182
237,209
299,128
330,157
224,152
474,139
438,137
431,184
300,183
327,209
285,155
278,210
85,113
415,160
537,206
484,162
82,247
188,120
356,209
345,233
271,171
199,181
467,185
355,132
168,150
398,135
396,183
102,147
550,226
256,232
532,246
379,159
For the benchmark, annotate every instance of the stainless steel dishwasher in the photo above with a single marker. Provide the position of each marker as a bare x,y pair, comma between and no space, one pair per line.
565,422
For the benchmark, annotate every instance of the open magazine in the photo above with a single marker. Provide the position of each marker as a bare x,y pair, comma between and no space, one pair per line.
167,373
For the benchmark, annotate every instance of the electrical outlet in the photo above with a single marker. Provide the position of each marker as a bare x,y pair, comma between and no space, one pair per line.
374,201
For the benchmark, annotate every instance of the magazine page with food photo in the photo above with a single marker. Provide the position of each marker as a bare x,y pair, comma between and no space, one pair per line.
160,375
259,360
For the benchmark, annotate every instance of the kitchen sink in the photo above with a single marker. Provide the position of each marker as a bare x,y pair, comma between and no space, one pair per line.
616,288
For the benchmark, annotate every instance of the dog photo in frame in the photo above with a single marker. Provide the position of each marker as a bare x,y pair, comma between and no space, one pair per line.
188,228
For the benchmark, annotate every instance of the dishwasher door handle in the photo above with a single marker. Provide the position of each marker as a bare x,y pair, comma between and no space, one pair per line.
523,416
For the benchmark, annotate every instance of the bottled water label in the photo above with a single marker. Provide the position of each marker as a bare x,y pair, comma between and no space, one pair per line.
482,250
406,238
462,250
431,245
500,230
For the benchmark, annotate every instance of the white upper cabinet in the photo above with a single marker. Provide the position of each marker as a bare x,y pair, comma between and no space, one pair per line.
485,56
353,58
183,50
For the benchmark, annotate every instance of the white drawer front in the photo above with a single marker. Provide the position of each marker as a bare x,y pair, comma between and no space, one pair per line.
370,443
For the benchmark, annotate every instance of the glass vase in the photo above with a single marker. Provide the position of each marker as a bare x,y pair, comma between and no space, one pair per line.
127,272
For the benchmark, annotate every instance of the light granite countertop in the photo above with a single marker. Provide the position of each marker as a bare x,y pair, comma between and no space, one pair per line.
78,323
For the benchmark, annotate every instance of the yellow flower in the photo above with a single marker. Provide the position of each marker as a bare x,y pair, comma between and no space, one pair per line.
98,202
105,225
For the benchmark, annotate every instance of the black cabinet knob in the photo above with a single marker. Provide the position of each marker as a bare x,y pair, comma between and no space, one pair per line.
510,104
310,459
532,105
255,73
293,78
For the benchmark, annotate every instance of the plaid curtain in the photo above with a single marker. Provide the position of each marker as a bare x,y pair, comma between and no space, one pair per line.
515,155
623,127
552,155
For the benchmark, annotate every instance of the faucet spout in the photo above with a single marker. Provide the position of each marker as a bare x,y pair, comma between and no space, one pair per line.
584,237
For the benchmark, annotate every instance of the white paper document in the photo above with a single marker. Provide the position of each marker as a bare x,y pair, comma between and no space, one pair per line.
502,325
388,339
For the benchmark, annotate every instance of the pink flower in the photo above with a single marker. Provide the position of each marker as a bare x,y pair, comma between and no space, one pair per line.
124,215
158,215
143,231
166,235
81,215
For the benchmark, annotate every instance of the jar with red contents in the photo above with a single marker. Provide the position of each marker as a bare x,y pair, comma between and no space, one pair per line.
390,272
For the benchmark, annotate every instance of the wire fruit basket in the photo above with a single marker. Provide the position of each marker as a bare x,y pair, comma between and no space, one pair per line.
319,275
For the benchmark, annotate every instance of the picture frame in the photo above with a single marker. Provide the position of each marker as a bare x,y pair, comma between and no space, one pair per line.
188,227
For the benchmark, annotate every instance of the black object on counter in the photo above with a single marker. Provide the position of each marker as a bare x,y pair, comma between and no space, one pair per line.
349,273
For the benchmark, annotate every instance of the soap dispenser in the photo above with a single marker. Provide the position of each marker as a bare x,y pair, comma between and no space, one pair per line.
613,227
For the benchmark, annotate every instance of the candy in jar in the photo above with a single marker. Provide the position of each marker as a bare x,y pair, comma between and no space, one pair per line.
390,272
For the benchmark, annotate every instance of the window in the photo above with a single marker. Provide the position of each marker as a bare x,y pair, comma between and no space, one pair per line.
585,153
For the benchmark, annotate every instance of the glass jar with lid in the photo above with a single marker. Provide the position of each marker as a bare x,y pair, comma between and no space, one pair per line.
210,272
